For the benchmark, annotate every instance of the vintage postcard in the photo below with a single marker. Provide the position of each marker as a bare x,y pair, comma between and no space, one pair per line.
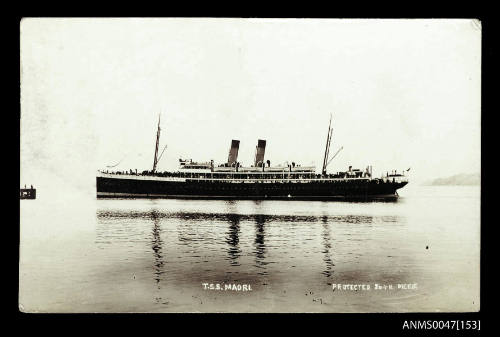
249,165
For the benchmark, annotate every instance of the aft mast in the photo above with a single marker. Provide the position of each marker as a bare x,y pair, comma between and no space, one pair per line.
327,148
155,162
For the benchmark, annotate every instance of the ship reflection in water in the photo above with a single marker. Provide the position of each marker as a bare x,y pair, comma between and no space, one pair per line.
166,255
280,258
233,239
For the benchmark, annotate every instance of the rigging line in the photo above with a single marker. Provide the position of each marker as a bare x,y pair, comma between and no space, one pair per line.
336,153
161,154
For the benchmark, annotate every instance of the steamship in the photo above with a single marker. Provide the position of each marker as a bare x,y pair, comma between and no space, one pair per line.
231,180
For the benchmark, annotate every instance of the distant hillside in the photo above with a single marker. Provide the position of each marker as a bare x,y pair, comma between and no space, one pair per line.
463,179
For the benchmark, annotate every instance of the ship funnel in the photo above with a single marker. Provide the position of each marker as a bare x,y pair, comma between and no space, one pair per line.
259,153
233,152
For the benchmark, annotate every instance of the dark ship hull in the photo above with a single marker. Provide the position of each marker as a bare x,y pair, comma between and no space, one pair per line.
315,189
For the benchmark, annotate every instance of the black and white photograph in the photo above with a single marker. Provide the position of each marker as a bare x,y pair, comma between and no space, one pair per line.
249,165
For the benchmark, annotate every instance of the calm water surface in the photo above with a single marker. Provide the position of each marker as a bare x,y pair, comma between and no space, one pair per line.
154,255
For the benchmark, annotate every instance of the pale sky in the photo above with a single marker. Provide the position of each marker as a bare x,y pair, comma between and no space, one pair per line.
403,93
